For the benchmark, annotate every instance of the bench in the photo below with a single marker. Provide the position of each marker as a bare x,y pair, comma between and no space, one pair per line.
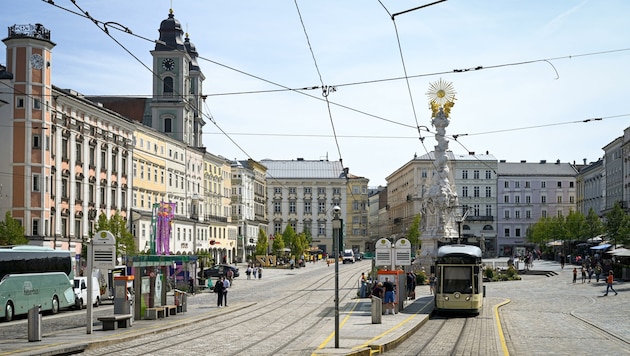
154,313
170,309
115,321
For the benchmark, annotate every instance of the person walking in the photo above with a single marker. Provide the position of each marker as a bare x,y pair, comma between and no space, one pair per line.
598,271
609,283
583,274
574,275
218,289
255,272
260,272
248,272
226,286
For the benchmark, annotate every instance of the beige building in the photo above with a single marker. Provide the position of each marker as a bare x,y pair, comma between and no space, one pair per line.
356,219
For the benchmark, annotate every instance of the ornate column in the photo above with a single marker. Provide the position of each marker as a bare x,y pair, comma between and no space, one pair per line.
439,201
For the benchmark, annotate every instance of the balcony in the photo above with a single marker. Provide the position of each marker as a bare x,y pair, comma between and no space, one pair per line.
480,218
215,218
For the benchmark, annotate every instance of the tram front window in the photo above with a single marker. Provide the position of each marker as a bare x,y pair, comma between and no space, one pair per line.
457,279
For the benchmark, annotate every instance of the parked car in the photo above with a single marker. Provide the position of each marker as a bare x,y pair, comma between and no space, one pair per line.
219,270
81,292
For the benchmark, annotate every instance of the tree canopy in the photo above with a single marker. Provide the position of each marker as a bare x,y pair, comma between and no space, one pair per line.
11,231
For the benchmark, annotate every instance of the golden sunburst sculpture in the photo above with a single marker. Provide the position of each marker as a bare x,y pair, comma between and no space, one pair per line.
441,94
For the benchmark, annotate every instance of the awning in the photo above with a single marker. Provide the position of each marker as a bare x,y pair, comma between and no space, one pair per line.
601,247
621,252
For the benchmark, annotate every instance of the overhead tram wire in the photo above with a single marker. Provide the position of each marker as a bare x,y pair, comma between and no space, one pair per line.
326,90
402,60
300,90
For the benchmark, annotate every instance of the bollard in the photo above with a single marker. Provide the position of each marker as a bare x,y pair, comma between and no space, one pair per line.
35,323
184,302
377,310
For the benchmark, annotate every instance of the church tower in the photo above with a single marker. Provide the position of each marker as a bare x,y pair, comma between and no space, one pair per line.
176,105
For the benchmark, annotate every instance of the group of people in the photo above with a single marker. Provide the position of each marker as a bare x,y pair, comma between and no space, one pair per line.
254,271
387,292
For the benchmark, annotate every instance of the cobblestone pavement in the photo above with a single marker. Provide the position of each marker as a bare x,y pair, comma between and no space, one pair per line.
553,316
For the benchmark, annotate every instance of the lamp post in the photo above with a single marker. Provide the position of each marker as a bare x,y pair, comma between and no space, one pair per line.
336,224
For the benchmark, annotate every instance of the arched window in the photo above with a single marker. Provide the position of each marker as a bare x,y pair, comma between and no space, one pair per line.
488,227
168,86
465,227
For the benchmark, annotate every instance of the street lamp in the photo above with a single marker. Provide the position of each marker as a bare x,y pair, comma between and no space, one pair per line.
336,224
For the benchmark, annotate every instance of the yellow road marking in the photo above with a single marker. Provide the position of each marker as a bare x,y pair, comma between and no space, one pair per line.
323,344
500,329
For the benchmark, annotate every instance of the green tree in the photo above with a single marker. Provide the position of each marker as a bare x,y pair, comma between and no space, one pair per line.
289,237
614,224
413,233
575,226
262,244
278,244
11,232
594,225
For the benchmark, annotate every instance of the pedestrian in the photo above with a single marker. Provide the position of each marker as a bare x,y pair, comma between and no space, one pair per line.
191,286
226,286
260,272
590,273
377,291
248,272
609,283
255,272
230,276
583,270
411,286
574,275
561,260
363,283
218,289
210,284
389,296
598,271
432,281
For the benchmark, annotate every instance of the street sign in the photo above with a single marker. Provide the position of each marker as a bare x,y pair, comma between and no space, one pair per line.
403,252
383,252
104,250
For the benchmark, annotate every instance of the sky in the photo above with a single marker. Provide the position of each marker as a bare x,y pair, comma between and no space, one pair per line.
527,74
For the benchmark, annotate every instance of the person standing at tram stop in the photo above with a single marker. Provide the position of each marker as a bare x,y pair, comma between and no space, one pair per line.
609,283
363,283
389,296
226,286
218,289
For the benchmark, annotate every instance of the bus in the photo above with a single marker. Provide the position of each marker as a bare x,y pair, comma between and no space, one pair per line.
459,279
33,275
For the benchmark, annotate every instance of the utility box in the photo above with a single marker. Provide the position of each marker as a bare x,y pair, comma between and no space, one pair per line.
122,295
377,310
35,323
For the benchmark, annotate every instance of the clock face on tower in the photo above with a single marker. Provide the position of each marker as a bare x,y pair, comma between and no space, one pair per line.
37,61
168,64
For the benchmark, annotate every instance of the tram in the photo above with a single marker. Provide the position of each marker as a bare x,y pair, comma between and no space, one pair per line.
459,279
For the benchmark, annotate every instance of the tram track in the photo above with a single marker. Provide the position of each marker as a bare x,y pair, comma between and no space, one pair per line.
309,308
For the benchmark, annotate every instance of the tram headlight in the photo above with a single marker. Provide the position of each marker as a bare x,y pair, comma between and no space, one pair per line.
468,299
446,298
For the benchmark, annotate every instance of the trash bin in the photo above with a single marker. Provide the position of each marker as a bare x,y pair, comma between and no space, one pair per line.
180,300
35,323
377,310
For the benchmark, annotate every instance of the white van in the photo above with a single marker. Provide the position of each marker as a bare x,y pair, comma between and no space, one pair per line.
348,256
81,292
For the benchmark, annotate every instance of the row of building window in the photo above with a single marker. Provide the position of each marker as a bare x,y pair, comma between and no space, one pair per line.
543,199
307,190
